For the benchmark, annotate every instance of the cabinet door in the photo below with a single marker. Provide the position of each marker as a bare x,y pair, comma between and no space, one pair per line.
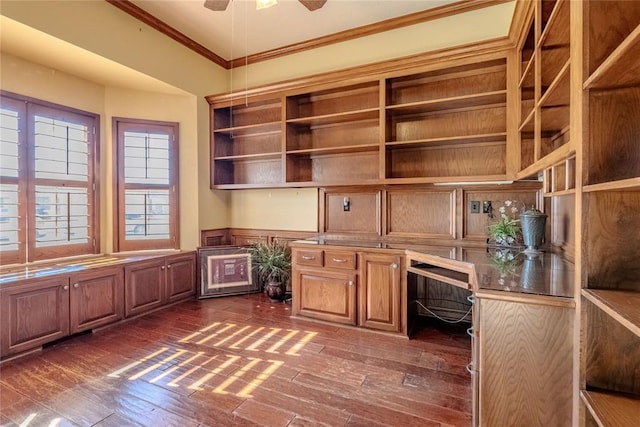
181,276
144,283
96,298
379,296
325,295
34,314
525,364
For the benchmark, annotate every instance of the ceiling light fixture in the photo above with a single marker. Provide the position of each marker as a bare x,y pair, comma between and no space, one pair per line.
263,4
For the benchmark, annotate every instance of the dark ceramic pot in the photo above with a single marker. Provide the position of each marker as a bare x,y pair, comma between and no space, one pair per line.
274,290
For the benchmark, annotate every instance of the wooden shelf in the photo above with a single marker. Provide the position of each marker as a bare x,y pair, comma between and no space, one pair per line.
333,150
556,30
558,92
498,137
622,306
260,156
337,118
527,72
630,184
621,68
560,193
442,105
547,161
610,409
256,129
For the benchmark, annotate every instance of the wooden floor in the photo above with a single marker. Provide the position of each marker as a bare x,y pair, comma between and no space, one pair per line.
241,361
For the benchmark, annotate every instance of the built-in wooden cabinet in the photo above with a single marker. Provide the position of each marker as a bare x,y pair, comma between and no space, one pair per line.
96,298
38,311
325,285
155,282
379,294
421,125
88,294
524,360
353,287
544,87
611,219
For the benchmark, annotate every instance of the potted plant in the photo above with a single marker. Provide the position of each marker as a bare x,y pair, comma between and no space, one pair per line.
271,261
506,231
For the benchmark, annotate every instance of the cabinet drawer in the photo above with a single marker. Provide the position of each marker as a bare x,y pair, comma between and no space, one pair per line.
311,257
340,259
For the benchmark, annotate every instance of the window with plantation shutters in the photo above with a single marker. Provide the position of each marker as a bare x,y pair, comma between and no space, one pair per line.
147,184
48,201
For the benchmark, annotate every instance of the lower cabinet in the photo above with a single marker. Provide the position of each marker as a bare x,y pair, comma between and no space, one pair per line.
379,292
523,362
39,311
152,283
34,312
325,295
348,287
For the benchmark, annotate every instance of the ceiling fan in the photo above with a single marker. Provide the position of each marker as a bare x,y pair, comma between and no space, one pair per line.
220,5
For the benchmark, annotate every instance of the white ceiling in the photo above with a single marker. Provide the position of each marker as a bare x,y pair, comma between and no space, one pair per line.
242,30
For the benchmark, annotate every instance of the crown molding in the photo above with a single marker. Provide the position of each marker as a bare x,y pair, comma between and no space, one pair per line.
390,24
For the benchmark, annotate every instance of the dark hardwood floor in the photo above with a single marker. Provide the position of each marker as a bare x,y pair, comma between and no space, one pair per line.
241,361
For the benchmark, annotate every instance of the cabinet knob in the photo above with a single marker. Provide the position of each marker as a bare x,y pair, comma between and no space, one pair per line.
350,283
76,285
394,265
162,268
169,266
65,287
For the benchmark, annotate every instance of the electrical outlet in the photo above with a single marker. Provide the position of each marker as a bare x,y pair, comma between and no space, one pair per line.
486,207
475,207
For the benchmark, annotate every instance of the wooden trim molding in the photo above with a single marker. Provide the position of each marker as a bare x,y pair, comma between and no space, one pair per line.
141,15
366,30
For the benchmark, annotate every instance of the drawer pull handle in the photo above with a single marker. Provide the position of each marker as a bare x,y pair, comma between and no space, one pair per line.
339,260
471,299
470,368
470,332
307,257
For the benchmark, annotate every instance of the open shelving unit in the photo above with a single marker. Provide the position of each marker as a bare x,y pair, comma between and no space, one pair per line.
611,200
544,87
420,126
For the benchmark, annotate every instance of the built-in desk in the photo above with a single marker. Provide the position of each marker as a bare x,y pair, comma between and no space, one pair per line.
521,306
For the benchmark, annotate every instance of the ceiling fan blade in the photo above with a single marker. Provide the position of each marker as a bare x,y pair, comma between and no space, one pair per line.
313,4
216,5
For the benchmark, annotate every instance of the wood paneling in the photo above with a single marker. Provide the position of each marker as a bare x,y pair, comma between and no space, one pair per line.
613,224
607,341
421,213
475,224
525,364
363,216
563,223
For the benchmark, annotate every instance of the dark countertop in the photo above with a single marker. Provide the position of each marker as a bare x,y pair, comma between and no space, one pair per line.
497,269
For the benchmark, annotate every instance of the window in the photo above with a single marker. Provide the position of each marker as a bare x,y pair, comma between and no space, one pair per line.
48,198
147,196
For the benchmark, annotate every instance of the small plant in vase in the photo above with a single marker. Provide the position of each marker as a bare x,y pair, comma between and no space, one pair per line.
506,231
271,262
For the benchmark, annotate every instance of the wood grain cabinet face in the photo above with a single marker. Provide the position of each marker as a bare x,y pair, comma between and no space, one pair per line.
96,298
525,364
181,277
379,293
34,314
144,286
326,295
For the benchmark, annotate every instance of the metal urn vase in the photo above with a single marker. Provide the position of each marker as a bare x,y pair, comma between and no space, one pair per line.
533,223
